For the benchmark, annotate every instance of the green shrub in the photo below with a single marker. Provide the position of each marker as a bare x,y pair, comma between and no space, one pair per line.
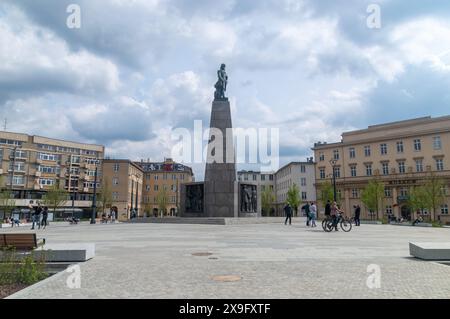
26,271
436,224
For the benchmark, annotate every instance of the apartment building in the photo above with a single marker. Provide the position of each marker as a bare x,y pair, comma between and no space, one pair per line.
400,154
163,179
300,173
124,179
30,165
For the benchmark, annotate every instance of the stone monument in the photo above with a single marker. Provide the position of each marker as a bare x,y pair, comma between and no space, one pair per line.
220,195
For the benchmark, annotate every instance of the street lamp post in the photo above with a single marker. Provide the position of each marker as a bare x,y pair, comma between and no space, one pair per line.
94,199
333,165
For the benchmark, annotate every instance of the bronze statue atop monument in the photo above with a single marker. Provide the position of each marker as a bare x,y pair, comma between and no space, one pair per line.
221,84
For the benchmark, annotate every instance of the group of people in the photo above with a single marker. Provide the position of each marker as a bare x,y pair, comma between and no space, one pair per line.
39,215
332,210
111,217
310,211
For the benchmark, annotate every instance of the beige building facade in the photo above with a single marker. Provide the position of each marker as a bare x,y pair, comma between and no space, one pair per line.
401,155
163,179
125,180
30,165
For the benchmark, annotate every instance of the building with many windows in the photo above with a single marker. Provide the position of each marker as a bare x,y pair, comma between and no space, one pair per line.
31,165
163,180
401,155
124,179
300,173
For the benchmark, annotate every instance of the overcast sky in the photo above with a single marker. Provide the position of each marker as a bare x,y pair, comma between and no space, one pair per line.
138,68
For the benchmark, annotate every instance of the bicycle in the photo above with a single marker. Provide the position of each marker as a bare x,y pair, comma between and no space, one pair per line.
324,221
343,221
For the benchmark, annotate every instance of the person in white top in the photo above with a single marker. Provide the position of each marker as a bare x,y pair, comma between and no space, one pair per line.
313,212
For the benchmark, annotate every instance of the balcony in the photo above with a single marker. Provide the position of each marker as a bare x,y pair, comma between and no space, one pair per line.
38,174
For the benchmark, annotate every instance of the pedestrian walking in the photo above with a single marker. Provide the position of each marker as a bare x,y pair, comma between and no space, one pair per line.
313,214
328,209
44,217
307,210
288,212
357,215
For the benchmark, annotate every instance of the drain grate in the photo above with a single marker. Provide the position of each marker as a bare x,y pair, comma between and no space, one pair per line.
227,278
201,254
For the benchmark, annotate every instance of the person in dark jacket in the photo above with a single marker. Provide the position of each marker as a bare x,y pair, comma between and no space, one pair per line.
288,212
307,211
357,215
328,209
44,217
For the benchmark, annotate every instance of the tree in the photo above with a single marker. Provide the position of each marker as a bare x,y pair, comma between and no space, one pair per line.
148,209
267,200
326,193
7,202
372,195
105,198
55,198
293,197
417,199
162,199
433,193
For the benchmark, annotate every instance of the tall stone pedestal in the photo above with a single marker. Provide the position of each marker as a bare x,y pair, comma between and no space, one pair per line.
220,173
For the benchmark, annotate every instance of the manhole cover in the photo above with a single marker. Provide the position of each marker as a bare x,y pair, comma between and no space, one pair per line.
214,258
201,254
227,278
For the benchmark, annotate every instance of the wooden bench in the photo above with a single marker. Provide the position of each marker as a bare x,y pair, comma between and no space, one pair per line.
25,241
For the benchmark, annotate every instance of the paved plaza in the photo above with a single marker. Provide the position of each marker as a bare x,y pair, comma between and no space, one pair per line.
263,260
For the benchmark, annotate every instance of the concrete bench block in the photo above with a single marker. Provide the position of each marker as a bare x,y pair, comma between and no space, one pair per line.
65,252
430,251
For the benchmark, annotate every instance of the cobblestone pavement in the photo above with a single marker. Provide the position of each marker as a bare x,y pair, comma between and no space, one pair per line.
273,261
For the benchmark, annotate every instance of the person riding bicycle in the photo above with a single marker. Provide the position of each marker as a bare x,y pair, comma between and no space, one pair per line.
335,215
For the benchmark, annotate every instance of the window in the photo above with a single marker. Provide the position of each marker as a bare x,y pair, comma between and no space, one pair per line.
263,177
182,176
353,170
321,157
403,192
419,165
75,159
437,143
389,210
439,164
115,181
174,177
271,187
46,182
48,157
383,149
48,169
155,188
352,152
173,188
165,176
115,196
254,177
400,148
336,154
90,173
116,167
303,169
355,193
367,151
385,168
147,188
18,180
245,177
417,145
74,171
444,209
322,173
387,192
271,177
263,187
156,177
303,181
18,166
401,167
337,172
1,155
304,197
19,154
369,169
